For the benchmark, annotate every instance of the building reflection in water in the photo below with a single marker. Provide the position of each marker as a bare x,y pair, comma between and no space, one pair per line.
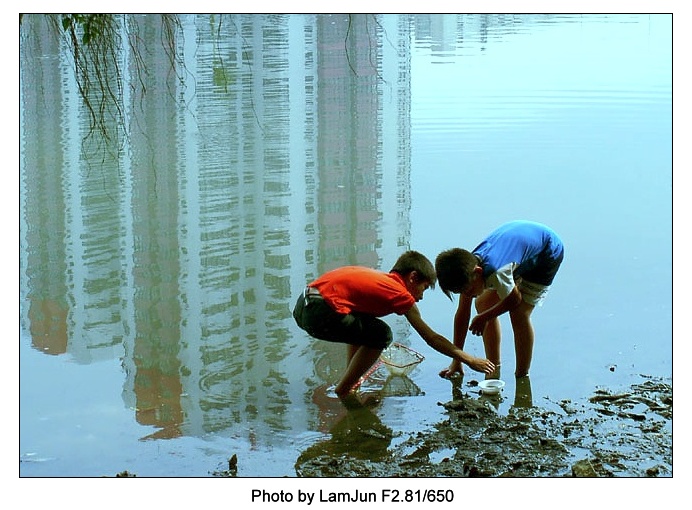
276,149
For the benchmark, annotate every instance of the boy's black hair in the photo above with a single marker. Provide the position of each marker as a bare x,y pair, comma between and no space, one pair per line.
454,269
415,261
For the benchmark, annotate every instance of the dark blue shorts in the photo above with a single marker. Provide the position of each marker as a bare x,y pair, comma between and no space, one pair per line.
534,284
319,320
545,270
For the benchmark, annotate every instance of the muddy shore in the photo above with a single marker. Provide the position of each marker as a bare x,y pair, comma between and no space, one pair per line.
610,434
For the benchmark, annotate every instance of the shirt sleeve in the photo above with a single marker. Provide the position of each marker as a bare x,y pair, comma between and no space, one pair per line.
403,303
502,280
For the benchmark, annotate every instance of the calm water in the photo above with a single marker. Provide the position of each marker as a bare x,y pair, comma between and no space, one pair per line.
157,273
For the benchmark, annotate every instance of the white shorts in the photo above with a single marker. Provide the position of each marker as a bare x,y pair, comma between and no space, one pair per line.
533,293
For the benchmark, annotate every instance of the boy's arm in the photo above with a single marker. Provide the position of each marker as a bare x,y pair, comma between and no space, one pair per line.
461,326
510,302
444,346
462,317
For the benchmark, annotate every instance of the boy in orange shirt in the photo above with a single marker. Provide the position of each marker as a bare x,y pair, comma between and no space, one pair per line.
343,305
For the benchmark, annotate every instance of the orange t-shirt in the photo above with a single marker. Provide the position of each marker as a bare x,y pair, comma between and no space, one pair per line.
360,289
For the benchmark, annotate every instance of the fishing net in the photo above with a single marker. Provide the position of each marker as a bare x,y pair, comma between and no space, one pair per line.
400,360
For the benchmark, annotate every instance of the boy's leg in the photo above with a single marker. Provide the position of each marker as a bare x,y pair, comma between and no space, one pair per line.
350,352
359,363
523,337
523,396
492,335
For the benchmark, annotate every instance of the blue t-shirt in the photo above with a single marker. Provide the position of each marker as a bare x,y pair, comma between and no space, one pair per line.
514,249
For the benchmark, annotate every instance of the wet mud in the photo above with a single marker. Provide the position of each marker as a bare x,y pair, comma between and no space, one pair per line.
610,434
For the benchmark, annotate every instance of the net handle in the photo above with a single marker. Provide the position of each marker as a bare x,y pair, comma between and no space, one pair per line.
367,374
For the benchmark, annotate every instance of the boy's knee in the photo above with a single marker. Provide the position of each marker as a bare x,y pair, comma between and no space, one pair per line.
523,310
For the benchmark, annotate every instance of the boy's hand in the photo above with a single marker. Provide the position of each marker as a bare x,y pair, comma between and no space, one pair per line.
454,368
482,365
478,325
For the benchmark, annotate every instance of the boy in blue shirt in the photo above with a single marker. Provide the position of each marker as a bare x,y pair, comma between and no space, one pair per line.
510,271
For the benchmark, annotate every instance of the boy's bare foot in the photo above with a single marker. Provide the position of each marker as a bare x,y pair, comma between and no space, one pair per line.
370,400
352,400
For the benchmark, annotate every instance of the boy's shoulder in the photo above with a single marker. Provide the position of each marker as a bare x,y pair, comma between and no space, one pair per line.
353,272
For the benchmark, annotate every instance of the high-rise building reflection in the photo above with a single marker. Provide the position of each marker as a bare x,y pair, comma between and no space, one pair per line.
44,283
274,150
